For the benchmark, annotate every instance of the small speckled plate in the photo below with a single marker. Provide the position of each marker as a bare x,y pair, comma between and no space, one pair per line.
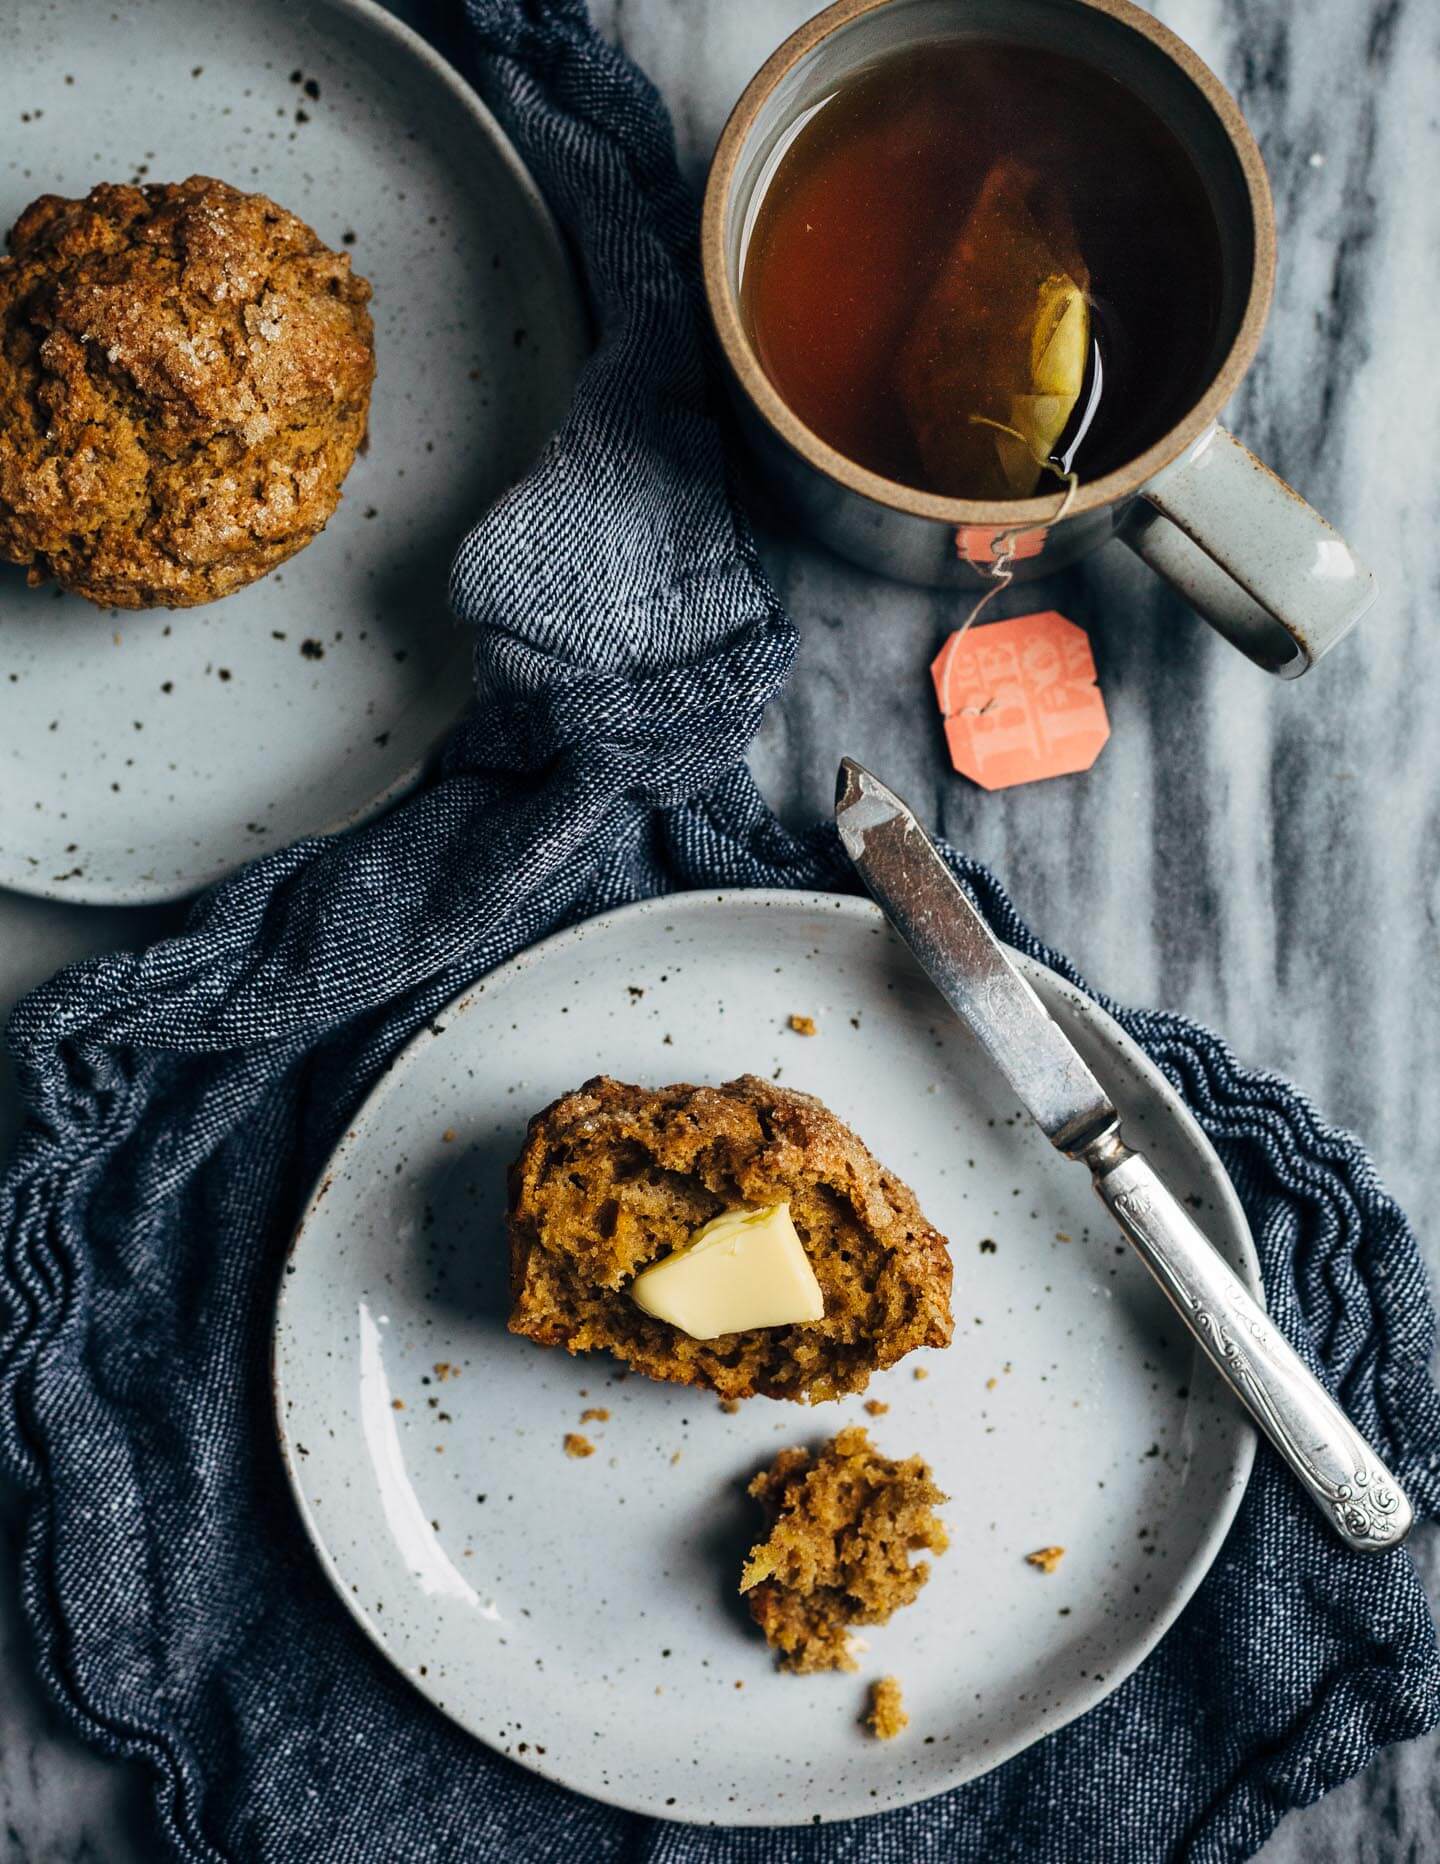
582,1615
144,755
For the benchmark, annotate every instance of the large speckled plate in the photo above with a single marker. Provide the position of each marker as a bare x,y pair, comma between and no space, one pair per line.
582,1616
144,755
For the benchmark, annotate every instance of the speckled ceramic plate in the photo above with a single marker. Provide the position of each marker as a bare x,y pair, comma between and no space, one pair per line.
144,755
582,1616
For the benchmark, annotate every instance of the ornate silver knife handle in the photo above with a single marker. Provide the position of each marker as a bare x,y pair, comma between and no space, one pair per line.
978,978
1348,1482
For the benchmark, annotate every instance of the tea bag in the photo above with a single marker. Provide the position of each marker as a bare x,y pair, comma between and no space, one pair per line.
991,369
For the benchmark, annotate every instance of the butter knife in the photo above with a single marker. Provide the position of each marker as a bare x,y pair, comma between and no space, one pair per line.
909,879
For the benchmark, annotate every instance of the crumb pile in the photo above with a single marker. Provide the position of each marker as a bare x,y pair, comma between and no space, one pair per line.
613,1177
843,1525
185,378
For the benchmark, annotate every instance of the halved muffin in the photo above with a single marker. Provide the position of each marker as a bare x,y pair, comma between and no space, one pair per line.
613,1178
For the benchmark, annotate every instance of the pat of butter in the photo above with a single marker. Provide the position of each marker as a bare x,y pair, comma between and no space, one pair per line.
745,1268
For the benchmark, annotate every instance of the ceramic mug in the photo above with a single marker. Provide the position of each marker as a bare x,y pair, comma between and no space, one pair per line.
1243,549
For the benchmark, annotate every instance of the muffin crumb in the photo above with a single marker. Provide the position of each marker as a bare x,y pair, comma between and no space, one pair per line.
877,1407
595,1413
1046,1558
803,1025
843,1525
886,1715
576,1445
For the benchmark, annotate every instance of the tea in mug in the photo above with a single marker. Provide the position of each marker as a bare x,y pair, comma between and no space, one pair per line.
980,267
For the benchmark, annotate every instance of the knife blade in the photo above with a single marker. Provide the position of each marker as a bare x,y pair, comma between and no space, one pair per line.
913,885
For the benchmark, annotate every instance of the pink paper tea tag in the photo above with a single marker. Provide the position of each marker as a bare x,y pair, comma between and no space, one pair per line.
1020,701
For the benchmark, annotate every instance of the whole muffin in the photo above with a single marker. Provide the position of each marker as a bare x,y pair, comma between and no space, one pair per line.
185,377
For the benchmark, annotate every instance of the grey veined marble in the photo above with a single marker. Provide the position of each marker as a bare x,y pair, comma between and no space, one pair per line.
1261,856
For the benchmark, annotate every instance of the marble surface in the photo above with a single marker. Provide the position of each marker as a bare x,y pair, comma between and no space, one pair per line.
1261,856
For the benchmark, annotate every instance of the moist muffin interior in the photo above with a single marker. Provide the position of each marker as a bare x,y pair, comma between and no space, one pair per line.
843,1525
613,1177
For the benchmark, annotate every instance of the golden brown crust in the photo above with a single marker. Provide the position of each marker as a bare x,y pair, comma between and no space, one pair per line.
185,377
843,1524
612,1177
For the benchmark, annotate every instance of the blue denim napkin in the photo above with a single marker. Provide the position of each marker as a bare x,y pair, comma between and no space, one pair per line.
180,1102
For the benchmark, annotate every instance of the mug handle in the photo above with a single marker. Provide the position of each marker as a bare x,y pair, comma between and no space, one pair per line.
1249,555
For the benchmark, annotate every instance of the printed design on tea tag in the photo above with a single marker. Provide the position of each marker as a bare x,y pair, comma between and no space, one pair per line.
1020,700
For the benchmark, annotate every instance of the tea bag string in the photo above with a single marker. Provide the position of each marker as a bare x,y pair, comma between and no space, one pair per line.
1000,573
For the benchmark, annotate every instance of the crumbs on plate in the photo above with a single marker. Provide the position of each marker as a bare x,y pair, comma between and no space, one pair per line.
842,1524
576,1445
1046,1558
886,1717
803,1025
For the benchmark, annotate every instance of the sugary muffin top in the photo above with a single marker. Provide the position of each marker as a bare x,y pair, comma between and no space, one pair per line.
185,378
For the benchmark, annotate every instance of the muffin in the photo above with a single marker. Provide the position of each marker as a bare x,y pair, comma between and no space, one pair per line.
842,1527
613,1179
185,378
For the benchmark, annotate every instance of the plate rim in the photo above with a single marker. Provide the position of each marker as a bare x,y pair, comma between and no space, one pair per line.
699,902
166,892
